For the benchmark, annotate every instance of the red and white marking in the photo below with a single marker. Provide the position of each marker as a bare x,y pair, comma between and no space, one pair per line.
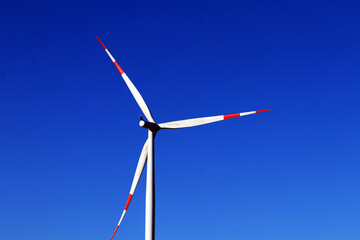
122,215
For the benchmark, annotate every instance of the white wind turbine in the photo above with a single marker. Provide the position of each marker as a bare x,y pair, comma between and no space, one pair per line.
147,153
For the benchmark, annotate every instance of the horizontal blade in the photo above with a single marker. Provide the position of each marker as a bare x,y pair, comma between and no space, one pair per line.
138,98
138,172
204,120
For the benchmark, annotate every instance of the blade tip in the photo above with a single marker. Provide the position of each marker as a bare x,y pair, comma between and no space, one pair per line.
101,42
114,232
265,110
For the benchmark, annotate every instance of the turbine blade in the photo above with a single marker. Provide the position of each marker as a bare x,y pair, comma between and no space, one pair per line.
204,120
138,172
138,98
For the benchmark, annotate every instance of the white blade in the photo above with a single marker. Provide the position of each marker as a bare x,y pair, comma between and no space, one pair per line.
138,172
205,120
138,98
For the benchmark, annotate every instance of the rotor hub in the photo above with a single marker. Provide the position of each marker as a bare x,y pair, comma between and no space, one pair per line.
154,127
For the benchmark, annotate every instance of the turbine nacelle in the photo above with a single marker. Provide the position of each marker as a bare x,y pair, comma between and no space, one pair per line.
154,127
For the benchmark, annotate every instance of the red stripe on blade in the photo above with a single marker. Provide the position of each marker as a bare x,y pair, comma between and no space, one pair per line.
262,110
101,42
128,201
119,68
114,231
231,116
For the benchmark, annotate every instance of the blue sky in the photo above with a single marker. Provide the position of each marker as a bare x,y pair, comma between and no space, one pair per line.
69,134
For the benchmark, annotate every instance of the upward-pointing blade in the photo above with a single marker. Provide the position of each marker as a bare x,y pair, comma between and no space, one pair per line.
204,120
138,98
138,172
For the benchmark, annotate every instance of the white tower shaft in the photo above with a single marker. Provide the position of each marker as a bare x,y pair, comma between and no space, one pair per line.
150,191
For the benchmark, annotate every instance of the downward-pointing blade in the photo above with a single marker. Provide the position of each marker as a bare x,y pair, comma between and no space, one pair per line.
204,120
138,98
138,172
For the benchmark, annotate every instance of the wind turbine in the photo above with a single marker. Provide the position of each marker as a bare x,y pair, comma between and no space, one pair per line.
147,153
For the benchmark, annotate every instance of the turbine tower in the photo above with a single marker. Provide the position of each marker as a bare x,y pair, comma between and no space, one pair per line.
147,153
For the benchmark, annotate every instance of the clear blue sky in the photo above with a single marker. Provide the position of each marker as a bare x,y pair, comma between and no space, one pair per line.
70,140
